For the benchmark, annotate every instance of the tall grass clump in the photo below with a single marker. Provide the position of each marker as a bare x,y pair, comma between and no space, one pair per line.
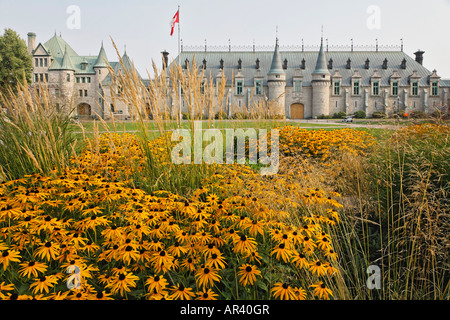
35,137
398,216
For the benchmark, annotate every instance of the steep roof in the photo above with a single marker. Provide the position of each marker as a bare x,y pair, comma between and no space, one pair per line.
57,47
102,60
321,64
67,63
277,66
294,58
117,67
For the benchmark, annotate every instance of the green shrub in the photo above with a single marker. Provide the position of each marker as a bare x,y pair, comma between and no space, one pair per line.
339,115
418,115
360,114
221,115
379,115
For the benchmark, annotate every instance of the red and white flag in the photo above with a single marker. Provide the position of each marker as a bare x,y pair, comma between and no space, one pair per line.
175,19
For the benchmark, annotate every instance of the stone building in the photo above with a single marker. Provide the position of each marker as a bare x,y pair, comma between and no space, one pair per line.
308,84
78,81
303,84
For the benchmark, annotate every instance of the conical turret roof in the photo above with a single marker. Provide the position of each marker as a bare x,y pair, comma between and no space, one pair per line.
277,65
102,60
67,63
321,65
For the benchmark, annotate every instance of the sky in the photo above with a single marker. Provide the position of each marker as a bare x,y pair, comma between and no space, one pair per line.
144,26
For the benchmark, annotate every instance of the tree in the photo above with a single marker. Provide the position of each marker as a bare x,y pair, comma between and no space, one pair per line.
15,61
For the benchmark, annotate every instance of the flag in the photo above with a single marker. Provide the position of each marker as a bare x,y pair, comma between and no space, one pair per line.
175,19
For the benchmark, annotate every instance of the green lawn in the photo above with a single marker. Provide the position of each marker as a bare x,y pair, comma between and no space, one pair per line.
132,126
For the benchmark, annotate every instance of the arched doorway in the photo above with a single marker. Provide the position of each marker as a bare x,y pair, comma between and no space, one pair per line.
297,111
84,109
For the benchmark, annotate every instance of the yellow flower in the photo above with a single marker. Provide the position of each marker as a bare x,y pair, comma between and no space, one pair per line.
32,268
8,256
321,290
283,291
206,276
248,274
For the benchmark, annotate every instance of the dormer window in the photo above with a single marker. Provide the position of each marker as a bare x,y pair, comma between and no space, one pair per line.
395,88
356,88
258,87
376,88
415,88
337,87
435,88
239,87
298,86
285,64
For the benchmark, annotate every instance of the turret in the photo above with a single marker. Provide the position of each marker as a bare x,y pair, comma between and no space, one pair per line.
321,82
101,65
277,82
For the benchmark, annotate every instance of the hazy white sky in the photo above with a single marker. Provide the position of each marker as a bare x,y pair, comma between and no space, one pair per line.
143,26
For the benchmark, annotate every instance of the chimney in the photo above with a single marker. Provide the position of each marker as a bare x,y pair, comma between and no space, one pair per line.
165,59
31,42
419,56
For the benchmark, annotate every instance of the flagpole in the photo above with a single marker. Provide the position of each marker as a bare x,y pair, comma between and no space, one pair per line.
179,65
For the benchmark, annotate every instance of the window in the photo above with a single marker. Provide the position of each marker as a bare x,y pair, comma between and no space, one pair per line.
337,88
36,62
434,88
258,87
376,88
202,87
239,87
36,77
112,107
415,88
81,93
41,62
68,77
88,79
85,93
41,77
297,86
83,80
46,77
356,88
395,88
78,79
45,62
99,71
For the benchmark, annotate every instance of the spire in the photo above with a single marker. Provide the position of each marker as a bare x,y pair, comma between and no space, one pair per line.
67,62
321,65
277,65
102,59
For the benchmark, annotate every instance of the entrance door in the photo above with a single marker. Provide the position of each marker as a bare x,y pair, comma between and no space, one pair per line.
84,109
297,111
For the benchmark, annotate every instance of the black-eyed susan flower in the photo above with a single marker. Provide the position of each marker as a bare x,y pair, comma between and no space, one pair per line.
321,290
244,244
31,268
206,295
9,256
43,284
283,291
48,251
248,274
156,284
299,293
189,264
216,260
180,292
318,268
206,276
281,252
122,283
